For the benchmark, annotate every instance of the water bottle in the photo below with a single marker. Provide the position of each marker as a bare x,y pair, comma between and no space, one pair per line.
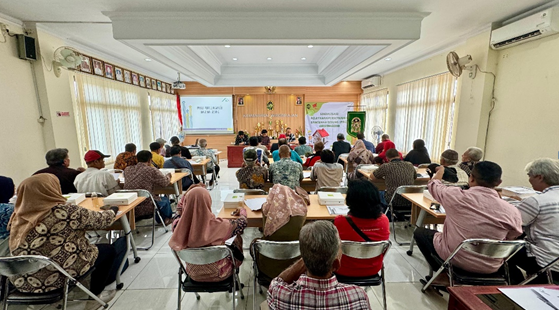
94,199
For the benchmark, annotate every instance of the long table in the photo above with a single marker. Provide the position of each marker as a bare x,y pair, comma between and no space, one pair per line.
315,211
127,210
174,187
466,297
381,185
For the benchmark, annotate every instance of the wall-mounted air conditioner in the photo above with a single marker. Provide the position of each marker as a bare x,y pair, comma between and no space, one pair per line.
370,82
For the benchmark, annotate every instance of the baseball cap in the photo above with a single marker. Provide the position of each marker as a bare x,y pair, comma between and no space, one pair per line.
94,155
160,140
250,155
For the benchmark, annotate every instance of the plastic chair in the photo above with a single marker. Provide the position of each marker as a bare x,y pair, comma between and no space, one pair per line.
279,250
333,189
249,192
496,249
366,250
405,189
204,256
546,270
147,194
26,264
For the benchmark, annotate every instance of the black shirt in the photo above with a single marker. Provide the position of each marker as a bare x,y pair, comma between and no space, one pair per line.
241,140
418,157
340,147
184,152
66,176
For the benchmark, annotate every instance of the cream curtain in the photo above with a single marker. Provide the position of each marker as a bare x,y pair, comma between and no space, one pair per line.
108,114
164,115
376,105
425,110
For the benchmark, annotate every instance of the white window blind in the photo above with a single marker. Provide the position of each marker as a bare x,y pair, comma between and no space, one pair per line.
108,114
425,110
164,115
376,106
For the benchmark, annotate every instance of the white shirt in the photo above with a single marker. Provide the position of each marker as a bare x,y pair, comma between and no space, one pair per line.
95,180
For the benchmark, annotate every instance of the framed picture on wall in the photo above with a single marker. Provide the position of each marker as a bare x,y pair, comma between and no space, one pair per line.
119,76
109,71
135,78
148,82
159,85
241,101
98,67
85,66
142,80
299,101
153,84
127,77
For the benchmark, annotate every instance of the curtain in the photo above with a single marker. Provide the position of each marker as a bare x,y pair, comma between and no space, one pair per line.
425,110
164,115
108,114
376,105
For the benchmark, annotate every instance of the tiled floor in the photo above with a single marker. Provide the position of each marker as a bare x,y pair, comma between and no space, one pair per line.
152,283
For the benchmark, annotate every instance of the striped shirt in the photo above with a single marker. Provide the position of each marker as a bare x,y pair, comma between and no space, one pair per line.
540,217
311,293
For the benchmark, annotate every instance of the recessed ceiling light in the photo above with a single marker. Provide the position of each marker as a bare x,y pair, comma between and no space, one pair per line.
303,58
388,59
269,58
227,46
147,59
235,58
310,46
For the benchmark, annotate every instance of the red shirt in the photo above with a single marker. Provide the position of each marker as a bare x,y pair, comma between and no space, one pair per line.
311,160
376,229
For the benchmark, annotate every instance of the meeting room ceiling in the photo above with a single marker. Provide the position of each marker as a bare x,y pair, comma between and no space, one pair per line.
264,42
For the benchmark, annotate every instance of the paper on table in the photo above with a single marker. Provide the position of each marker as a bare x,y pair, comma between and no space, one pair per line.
306,174
528,299
255,204
338,210
230,240
116,175
520,190
224,194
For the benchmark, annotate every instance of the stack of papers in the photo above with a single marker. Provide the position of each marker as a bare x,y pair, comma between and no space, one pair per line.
255,204
540,298
331,199
167,171
116,176
234,200
338,210
307,174
74,198
522,192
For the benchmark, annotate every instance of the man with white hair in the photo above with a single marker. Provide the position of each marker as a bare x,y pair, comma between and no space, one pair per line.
540,216
213,164
310,283
470,157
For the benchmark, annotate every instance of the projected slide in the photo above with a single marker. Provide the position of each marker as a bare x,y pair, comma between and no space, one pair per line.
207,115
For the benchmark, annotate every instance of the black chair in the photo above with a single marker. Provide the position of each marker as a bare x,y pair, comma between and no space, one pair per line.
546,270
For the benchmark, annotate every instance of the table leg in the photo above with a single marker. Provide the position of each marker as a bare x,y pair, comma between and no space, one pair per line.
176,187
419,223
129,242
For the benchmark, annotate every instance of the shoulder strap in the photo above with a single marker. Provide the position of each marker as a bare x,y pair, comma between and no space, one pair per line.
174,163
357,230
154,164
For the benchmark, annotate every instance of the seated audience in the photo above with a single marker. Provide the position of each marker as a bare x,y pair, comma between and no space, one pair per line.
177,162
213,165
283,214
185,152
311,160
419,155
387,145
275,146
365,217
369,145
198,227
378,161
265,140
241,138
453,175
293,155
145,176
42,211
325,172
261,156
540,215
310,283
7,190
251,175
93,179
59,161
263,147
303,149
126,158
341,146
286,171
395,173
359,155
470,157
289,136
478,212
163,150
157,160
380,146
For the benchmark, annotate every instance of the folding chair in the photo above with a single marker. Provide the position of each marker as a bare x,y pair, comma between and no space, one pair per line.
546,270
147,194
279,250
26,264
366,250
337,189
204,256
496,249
248,192
404,189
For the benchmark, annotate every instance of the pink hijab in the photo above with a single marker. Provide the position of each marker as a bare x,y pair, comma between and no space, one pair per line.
198,226
282,203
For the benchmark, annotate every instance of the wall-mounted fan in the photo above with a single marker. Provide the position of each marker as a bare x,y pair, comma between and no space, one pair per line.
377,133
65,57
456,64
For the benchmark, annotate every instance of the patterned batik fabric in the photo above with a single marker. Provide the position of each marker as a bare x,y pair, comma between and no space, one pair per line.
252,177
286,172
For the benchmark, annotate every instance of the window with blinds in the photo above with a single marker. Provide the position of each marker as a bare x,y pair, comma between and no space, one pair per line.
376,106
425,110
108,114
164,115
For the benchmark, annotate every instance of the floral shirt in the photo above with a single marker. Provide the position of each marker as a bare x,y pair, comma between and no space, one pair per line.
286,172
61,237
124,160
252,177
145,177
304,149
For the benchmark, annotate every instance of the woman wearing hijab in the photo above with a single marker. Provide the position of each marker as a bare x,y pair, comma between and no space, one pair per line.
198,227
359,155
284,214
7,190
419,155
43,224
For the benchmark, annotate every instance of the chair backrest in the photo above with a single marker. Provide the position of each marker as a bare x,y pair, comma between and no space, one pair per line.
204,255
423,165
250,191
365,250
338,189
24,264
280,250
497,249
406,189
140,192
